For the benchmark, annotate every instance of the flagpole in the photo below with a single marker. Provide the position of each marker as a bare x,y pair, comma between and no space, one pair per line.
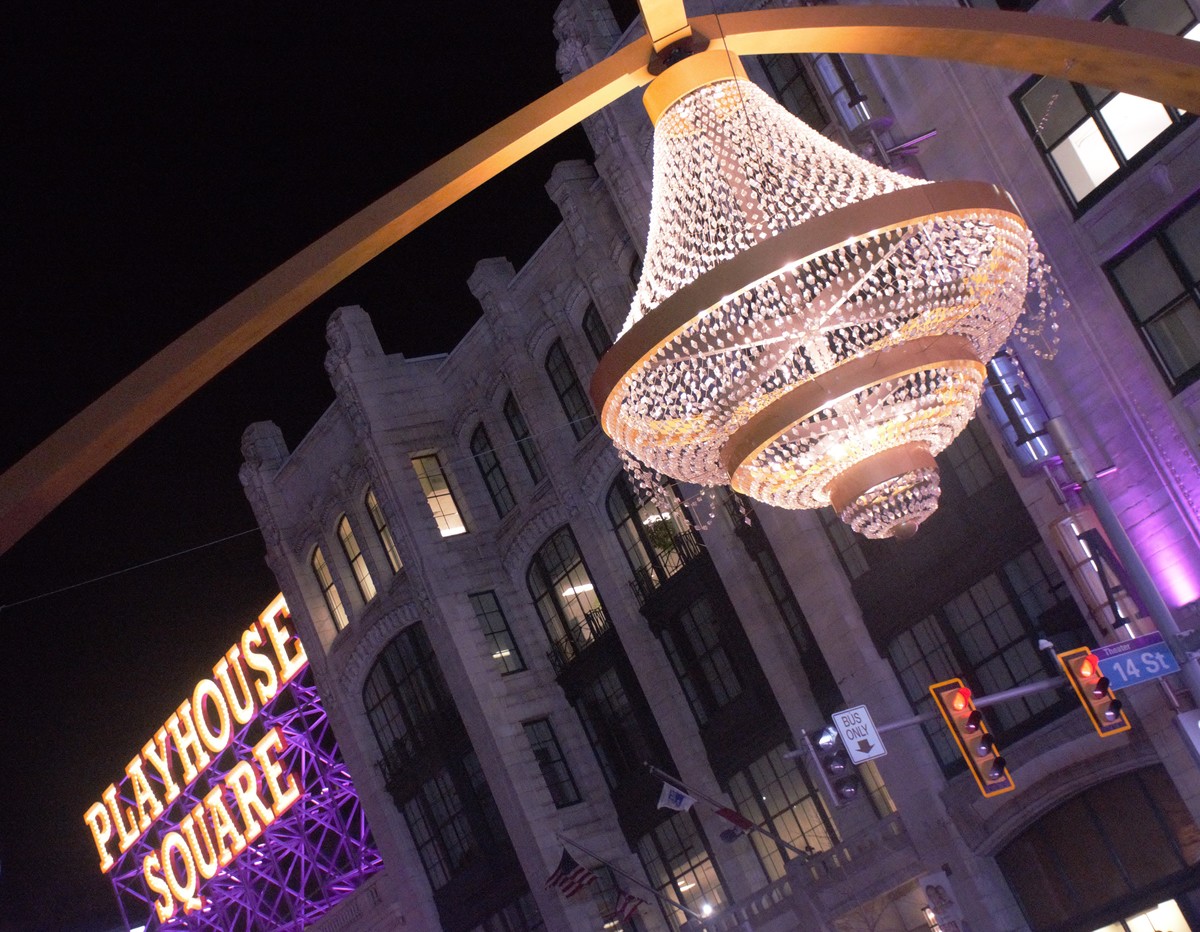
641,883
715,804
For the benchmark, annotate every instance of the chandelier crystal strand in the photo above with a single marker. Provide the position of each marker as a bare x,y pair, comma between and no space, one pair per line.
809,327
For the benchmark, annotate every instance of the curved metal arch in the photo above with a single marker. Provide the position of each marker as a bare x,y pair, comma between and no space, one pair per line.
1147,64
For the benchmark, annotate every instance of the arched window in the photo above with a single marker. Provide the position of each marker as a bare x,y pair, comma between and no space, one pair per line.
595,331
574,402
491,471
385,533
522,438
564,596
354,556
657,538
333,599
405,697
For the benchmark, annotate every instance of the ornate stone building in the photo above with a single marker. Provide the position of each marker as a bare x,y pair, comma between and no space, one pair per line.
505,630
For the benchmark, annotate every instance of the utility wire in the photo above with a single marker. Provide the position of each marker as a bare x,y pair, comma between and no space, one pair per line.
129,569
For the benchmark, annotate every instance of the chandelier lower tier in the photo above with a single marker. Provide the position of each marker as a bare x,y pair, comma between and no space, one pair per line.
809,327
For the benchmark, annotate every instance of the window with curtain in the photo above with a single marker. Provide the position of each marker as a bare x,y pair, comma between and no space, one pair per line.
575,404
354,556
491,471
329,590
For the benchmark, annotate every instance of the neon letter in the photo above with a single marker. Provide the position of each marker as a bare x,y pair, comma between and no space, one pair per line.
145,803
101,825
271,768
151,871
242,706
267,687
186,892
288,666
207,689
158,753
223,827
183,729
244,782
206,860
126,834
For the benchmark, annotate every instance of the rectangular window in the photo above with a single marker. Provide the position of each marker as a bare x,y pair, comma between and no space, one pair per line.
1092,137
438,494
521,435
1158,280
613,728
333,600
440,828
551,762
491,471
384,532
681,868
988,635
574,402
595,331
354,556
496,631
774,792
795,89
847,544
972,459
693,645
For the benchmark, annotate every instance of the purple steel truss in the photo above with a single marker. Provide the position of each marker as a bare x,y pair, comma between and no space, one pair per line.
310,858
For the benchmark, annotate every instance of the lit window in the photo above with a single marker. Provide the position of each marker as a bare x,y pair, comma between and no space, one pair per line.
520,434
1158,279
495,629
564,596
774,792
681,868
1091,137
654,533
595,331
354,556
551,762
438,494
491,471
384,532
329,589
574,402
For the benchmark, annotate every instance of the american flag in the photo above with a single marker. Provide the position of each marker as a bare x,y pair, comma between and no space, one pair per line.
570,876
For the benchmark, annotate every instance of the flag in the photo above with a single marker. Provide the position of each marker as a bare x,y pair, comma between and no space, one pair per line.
570,876
737,819
673,798
627,906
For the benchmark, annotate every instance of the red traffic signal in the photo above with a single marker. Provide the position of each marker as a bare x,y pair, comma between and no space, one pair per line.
975,743
1093,689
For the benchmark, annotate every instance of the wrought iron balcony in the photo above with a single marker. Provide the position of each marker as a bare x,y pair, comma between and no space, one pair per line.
682,548
579,637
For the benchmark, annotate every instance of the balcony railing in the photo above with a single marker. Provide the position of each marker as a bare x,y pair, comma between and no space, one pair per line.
579,637
683,548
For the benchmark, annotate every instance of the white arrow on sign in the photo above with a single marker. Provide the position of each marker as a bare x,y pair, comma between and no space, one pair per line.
859,736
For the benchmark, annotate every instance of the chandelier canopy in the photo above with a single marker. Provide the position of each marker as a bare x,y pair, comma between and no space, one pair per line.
809,327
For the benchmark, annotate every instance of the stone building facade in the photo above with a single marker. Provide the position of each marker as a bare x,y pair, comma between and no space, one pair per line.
506,631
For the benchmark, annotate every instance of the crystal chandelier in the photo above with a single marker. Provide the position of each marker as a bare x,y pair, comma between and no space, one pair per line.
809,327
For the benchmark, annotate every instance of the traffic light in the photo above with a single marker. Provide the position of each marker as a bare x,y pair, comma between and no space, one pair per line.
840,775
1083,670
977,746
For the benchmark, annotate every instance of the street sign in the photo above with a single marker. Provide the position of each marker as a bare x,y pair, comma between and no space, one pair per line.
1127,663
859,737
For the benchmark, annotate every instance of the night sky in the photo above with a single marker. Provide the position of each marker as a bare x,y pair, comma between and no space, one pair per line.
157,160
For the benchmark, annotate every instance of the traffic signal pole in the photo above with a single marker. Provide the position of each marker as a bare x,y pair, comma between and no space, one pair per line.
1080,470
981,702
